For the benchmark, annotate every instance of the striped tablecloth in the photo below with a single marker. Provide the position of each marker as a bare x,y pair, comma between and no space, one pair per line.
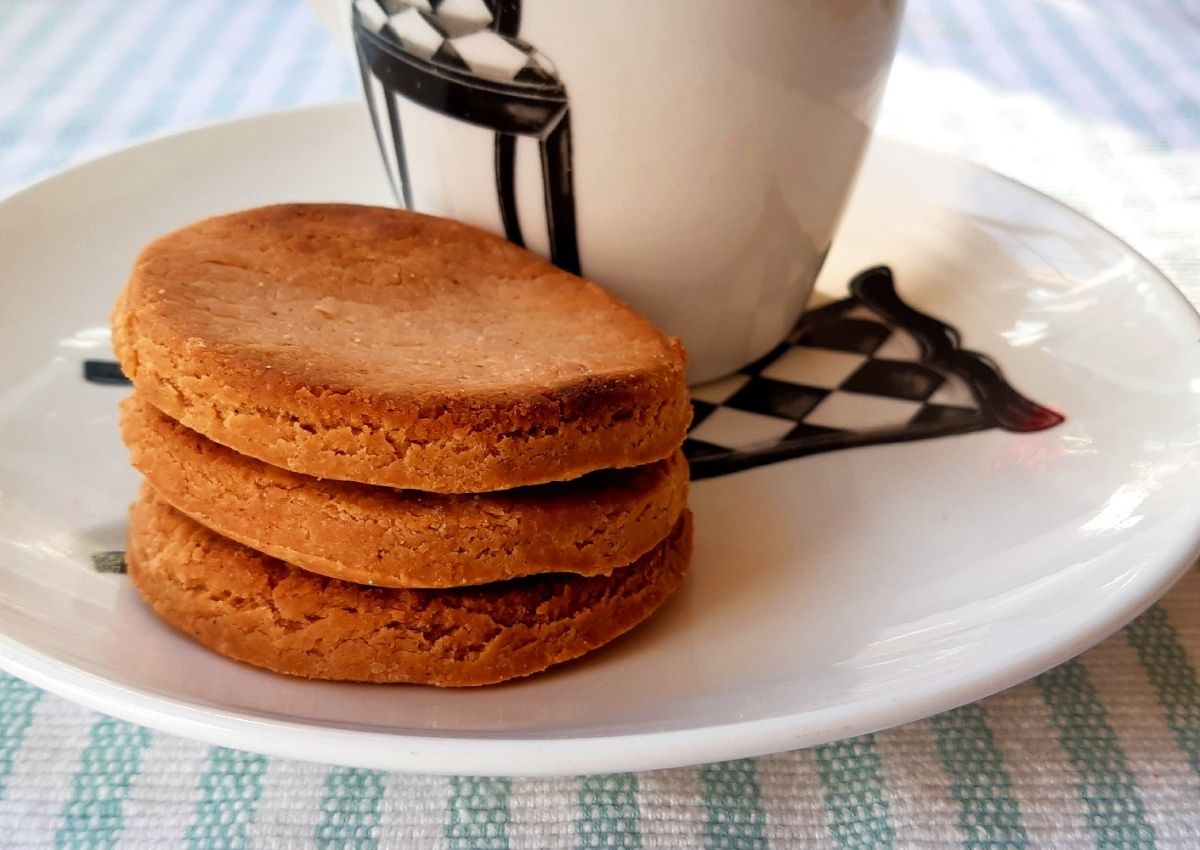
1094,101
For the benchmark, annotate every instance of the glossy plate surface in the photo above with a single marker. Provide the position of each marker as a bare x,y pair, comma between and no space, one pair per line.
830,595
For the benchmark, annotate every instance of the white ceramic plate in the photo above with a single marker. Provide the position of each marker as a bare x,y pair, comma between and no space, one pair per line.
830,595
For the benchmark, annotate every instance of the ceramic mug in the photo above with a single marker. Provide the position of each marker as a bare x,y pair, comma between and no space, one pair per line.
693,156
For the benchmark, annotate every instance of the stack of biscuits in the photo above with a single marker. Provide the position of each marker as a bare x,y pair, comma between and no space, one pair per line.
384,447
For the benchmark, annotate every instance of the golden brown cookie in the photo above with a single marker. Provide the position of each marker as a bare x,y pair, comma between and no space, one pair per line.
259,610
387,347
405,538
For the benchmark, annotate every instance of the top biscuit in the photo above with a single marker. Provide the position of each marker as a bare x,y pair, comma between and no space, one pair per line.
387,347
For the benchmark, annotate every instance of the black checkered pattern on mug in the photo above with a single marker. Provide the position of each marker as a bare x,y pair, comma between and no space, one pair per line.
456,34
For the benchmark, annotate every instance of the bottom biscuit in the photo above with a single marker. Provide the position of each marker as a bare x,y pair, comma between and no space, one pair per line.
254,608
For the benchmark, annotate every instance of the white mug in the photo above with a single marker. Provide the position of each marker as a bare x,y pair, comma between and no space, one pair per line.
693,156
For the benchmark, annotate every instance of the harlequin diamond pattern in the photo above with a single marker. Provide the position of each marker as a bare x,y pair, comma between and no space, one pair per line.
865,370
457,35
827,379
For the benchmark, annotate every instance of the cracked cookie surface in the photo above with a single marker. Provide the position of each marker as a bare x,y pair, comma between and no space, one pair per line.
259,610
387,347
404,538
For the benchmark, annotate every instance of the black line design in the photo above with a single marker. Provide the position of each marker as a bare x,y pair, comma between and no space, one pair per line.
797,405
506,175
103,372
940,343
425,56
507,17
108,562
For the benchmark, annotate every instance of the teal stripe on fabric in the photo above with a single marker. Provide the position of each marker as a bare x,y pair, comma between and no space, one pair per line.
85,45
72,136
1107,787
8,14
301,69
253,54
734,815
960,40
350,809
477,813
1014,39
17,701
988,812
855,795
230,789
1067,39
49,19
608,812
1173,677
191,57
1154,74
94,815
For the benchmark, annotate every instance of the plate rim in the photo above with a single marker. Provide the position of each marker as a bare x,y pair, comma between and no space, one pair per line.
487,754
